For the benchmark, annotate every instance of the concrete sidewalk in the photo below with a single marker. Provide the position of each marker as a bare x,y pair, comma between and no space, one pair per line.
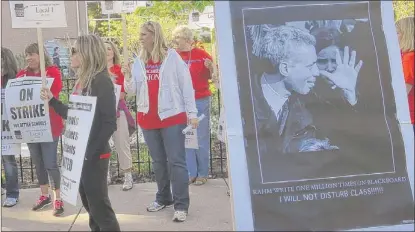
209,211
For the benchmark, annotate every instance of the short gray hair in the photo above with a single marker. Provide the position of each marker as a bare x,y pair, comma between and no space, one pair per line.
277,43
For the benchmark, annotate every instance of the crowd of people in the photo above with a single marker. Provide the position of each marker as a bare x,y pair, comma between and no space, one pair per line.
172,89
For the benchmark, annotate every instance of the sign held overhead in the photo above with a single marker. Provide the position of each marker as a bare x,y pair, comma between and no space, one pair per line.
118,7
38,14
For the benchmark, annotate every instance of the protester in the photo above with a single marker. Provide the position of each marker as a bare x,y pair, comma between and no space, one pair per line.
44,155
125,120
89,58
163,86
56,57
405,29
9,71
201,69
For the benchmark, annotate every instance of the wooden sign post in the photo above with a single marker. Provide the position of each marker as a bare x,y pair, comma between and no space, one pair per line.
41,56
124,39
38,14
122,7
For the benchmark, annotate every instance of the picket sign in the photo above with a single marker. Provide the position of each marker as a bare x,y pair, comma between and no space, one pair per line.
118,7
9,144
191,140
38,14
75,139
122,7
27,113
221,131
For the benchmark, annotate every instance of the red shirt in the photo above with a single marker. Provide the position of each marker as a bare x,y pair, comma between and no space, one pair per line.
56,121
408,72
151,120
200,74
119,80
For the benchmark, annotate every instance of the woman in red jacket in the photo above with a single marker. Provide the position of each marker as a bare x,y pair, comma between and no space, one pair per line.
125,121
405,29
44,155
201,69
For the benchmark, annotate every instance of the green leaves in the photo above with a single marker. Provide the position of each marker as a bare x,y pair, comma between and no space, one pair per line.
403,8
168,13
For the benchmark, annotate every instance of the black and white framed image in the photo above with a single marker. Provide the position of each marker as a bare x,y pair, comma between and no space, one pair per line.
324,146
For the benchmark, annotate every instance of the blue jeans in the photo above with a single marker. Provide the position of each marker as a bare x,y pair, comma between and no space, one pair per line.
12,182
167,152
45,158
198,160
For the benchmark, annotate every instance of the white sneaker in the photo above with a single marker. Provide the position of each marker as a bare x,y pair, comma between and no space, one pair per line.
128,181
179,216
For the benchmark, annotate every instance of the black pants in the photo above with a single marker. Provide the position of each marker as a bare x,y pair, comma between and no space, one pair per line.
93,190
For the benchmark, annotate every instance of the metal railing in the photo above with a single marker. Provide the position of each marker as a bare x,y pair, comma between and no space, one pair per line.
142,168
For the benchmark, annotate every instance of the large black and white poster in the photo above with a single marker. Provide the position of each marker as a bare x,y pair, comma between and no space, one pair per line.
323,144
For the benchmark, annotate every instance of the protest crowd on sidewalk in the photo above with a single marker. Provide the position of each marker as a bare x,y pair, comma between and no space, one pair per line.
162,84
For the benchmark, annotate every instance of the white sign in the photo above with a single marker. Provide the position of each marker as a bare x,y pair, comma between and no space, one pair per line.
204,19
28,118
279,190
118,7
38,14
191,141
8,141
117,92
221,132
75,139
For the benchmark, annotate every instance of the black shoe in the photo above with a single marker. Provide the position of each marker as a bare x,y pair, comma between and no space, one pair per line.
42,203
58,208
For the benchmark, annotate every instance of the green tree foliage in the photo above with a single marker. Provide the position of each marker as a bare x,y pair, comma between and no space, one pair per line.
403,8
168,13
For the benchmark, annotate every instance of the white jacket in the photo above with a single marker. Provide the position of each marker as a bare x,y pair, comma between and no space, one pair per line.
176,93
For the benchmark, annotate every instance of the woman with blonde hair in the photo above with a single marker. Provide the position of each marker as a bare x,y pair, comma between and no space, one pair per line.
45,155
165,102
201,69
89,58
125,122
405,29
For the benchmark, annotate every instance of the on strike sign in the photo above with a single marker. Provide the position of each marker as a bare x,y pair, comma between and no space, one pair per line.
28,118
8,141
75,140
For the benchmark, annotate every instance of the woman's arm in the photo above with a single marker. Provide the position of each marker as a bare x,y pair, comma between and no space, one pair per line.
186,85
59,107
55,89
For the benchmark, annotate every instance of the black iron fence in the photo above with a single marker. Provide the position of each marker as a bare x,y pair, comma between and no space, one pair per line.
142,168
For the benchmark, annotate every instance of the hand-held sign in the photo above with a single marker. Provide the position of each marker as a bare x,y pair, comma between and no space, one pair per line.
193,126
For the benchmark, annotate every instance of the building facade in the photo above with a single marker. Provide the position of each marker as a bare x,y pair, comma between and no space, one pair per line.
17,39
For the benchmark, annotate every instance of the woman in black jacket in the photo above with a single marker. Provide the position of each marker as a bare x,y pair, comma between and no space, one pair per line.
9,71
89,58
